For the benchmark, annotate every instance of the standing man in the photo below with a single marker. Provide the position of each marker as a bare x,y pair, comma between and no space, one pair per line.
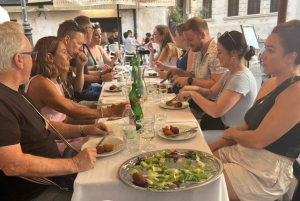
206,69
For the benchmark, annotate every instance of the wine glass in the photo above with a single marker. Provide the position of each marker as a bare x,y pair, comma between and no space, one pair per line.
126,89
148,134
127,65
126,75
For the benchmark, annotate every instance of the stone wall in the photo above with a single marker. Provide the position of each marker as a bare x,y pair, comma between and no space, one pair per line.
46,24
263,22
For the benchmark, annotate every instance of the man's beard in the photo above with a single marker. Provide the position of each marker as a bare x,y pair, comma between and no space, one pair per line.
197,48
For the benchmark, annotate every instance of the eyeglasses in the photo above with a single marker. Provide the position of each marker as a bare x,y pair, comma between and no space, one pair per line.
224,34
91,28
75,25
33,54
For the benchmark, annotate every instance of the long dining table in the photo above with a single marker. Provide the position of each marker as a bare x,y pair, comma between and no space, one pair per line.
102,182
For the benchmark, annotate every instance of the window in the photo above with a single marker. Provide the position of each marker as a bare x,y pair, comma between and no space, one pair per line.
233,8
253,7
207,7
274,6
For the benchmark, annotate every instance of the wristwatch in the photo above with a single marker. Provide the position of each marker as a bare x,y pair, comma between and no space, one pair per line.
190,80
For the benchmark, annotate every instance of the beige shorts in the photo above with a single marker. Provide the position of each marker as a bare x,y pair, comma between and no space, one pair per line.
256,174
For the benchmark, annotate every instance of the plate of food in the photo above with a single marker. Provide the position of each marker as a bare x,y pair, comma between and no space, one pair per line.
113,88
178,132
174,105
109,146
151,74
170,170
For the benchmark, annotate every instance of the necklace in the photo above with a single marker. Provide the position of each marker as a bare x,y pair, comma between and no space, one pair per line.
264,98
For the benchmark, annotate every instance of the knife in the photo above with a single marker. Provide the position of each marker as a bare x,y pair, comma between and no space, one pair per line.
101,140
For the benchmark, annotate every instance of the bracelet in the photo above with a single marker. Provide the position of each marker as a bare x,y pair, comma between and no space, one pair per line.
82,134
95,68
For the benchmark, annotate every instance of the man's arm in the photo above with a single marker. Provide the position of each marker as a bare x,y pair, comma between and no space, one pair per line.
15,163
207,83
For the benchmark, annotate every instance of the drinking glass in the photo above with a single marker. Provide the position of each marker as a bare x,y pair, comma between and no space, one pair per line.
131,138
126,75
148,134
156,95
164,90
120,78
127,65
160,119
126,90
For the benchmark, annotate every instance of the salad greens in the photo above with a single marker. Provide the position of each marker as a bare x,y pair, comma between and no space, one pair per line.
169,169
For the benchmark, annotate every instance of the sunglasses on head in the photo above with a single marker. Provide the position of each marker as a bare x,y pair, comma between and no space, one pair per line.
227,33
75,25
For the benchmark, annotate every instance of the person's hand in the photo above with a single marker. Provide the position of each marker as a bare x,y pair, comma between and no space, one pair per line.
180,82
183,95
85,159
162,74
191,88
116,111
150,47
159,65
96,129
175,71
228,132
81,59
118,53
108,77
108,70
104,67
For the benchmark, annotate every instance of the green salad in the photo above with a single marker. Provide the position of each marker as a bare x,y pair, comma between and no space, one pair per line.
169,169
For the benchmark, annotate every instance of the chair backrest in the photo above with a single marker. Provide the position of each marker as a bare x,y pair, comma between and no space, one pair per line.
129,48
296,168
113,48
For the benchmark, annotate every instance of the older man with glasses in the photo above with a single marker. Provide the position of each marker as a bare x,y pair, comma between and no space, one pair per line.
27,147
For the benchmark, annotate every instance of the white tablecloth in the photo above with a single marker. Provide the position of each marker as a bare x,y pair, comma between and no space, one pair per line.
102,182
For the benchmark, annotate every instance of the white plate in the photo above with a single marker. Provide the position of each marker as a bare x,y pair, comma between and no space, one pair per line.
146,74
184,105
118,145
118,89
181,128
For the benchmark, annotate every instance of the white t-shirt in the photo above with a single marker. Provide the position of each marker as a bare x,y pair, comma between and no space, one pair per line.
4,17
242,82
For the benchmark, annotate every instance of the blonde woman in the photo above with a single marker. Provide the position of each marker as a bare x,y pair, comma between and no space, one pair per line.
168,53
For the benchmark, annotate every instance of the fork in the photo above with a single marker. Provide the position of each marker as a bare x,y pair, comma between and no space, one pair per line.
111,134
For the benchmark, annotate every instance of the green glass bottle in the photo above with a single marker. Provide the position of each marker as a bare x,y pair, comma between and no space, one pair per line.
135,102
138,77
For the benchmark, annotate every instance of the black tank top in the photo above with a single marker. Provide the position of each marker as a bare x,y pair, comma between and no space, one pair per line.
287,145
